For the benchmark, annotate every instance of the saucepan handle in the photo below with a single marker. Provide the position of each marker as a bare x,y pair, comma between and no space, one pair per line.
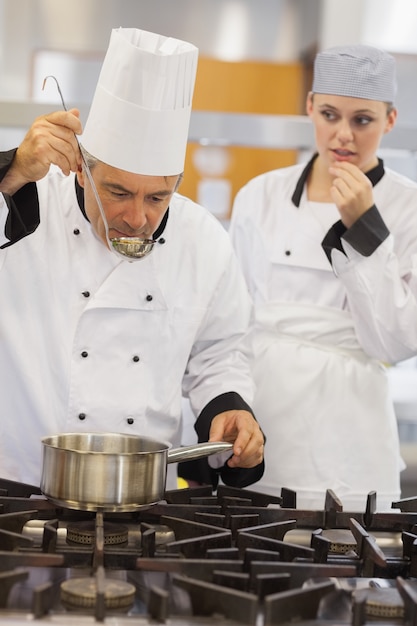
197,451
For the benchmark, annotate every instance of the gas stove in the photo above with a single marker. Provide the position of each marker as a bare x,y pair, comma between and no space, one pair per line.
202,557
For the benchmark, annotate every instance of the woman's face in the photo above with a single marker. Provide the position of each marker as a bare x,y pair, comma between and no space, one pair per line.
349,129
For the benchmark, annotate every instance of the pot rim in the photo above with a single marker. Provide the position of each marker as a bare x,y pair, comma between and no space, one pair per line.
56,442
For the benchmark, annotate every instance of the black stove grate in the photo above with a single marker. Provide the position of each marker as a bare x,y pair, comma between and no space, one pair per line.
234,553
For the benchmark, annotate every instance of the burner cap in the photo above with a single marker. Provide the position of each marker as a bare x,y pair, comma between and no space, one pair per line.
382,603
85,532
341,541
81,593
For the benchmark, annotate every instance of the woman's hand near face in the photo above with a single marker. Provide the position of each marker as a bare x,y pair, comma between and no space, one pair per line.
351,191
50,140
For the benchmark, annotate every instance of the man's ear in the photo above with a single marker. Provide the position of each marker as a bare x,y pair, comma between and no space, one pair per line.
80,177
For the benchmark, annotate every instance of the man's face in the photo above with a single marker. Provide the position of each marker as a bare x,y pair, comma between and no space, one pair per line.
133,204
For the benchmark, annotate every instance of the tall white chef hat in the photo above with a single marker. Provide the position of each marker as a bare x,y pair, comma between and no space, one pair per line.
140,113
357,71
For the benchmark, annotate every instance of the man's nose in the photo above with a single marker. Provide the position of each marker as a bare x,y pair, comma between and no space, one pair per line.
135,215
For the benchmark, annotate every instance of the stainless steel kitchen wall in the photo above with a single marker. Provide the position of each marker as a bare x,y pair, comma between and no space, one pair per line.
230,29
268,30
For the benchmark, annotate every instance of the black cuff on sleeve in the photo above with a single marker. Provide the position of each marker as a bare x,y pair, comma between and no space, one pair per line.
199,470
23,217
367,233
6,159
226,402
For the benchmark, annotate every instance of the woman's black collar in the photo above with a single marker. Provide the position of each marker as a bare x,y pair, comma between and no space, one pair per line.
374,175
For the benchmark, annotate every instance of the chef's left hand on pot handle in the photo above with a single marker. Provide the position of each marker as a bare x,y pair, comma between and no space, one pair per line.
241,429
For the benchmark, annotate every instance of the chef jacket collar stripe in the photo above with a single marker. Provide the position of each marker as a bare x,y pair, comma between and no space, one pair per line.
374,175
80,198
162,225
298,191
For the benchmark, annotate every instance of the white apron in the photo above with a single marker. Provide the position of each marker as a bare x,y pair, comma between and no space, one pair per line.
333,425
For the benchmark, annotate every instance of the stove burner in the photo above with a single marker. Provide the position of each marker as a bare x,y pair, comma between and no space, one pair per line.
341,541
381,603
81,593
84,533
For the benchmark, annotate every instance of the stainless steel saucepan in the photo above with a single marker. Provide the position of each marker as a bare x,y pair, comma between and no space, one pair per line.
111,471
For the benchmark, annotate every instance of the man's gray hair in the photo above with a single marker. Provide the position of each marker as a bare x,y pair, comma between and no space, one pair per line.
92,161
89,159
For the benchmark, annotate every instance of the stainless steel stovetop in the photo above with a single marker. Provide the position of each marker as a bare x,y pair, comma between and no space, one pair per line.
232,557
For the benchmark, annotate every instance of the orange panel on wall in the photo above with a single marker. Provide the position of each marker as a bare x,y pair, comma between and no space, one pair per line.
244,87
248,87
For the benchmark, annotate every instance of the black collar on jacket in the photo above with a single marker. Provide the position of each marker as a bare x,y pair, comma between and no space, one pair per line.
374,175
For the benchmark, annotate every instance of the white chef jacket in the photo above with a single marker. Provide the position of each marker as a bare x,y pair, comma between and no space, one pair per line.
92,342
323,332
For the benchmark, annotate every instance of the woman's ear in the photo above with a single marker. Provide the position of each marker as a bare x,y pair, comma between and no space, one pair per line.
309,103
391,119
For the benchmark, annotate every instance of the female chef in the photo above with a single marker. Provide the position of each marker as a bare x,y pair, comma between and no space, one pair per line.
329,251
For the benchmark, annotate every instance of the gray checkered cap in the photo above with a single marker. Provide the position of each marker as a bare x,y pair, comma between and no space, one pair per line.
356,71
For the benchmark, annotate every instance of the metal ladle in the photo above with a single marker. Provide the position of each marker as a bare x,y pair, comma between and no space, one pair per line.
131,248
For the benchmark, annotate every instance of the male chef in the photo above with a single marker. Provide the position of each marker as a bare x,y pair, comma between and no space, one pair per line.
94,340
